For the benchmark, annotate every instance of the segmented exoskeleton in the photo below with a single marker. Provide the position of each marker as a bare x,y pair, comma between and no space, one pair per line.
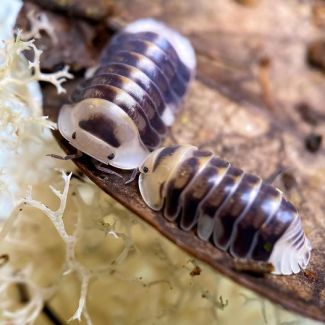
123,111
236,211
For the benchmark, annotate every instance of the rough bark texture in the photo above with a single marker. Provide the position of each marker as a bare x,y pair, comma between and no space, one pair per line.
255,102
76,42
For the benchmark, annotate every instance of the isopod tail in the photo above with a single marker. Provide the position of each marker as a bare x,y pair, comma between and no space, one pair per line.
292,251
182,46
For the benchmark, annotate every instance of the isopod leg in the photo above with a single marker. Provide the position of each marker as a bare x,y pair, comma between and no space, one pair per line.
76,155
106,170
133,176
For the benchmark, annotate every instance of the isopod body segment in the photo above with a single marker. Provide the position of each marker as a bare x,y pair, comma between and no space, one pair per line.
236,211
123,111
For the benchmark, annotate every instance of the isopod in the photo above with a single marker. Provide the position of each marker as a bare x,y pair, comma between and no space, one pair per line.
236,211
124,110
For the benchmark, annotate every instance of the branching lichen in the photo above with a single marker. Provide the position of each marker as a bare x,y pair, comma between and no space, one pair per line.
71,264
261,301
21,120
19,108
110,230
55,78
27,313
12,55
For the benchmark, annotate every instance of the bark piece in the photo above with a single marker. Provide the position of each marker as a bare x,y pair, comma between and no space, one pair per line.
75,42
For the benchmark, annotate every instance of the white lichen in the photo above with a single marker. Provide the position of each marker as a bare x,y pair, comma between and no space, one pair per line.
55,78
26,314
71,264
18,109
260,301
21,120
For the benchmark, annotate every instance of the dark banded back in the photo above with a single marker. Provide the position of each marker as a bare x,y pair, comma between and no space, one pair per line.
165,63
119,97
236,211
144,74
162,43
234,202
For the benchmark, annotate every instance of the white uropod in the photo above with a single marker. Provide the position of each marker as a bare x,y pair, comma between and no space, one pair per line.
124,110
236,211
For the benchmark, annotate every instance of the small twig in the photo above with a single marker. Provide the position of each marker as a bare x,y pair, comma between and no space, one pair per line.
51,315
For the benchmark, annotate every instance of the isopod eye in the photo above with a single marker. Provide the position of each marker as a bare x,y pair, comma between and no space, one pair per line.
111,156
145,169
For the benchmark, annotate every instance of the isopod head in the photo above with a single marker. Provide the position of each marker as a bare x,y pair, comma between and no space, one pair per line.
103,131
123,111
155,171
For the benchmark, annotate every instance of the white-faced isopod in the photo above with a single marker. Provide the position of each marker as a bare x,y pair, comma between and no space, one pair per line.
236,211
123,112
